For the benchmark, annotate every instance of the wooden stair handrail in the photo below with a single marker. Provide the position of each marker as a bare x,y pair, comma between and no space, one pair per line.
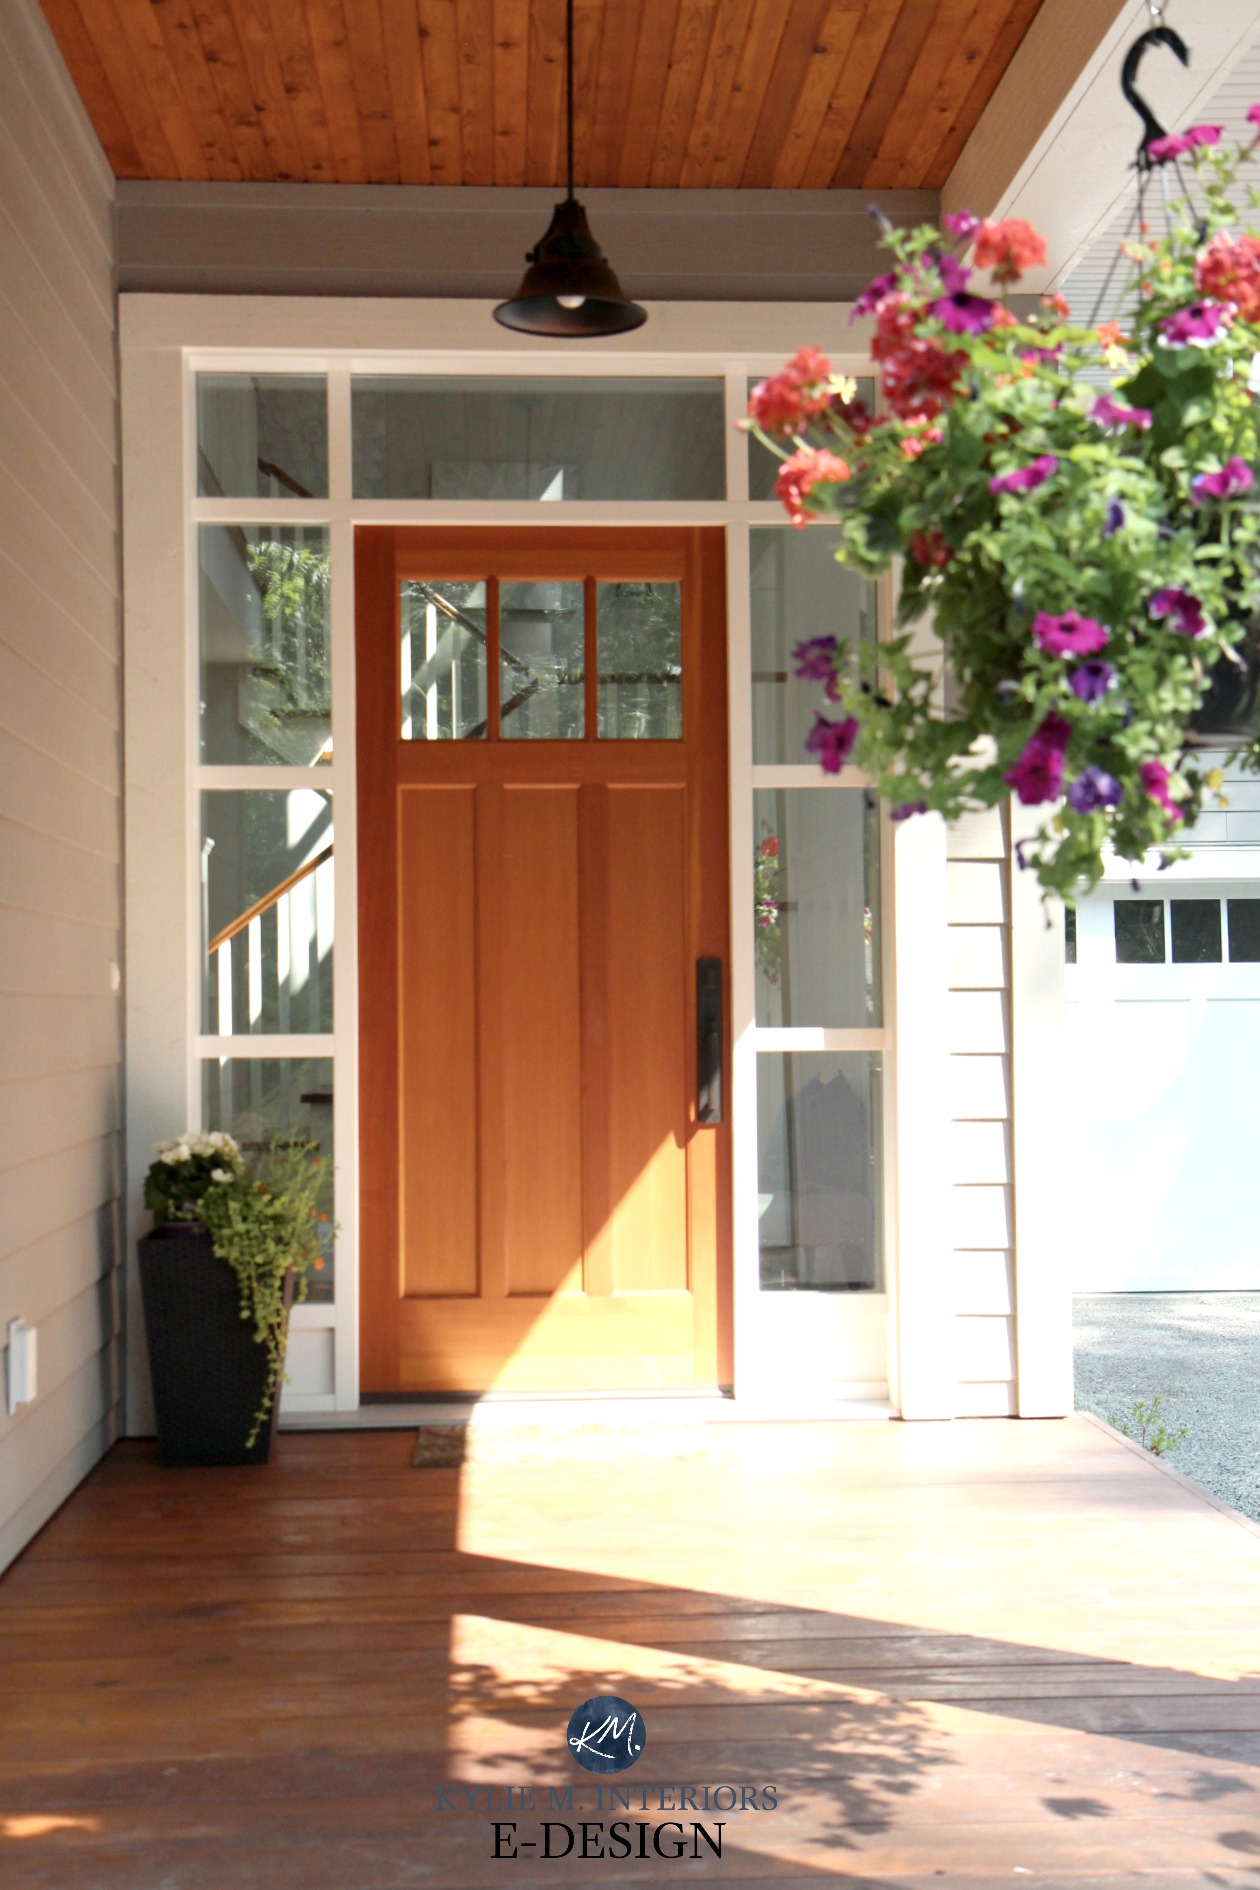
267,901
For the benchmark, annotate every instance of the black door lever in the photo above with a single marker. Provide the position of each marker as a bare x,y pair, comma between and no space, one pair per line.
709,1041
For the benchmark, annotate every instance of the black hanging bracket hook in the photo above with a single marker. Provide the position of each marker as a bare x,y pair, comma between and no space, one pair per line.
1151,127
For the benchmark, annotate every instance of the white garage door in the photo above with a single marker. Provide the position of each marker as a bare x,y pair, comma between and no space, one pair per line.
1164,1088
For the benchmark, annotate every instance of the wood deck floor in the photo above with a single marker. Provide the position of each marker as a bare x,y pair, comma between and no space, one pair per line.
981,1653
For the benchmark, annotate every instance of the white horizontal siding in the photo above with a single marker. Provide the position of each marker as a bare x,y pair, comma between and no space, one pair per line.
978,1027
59,776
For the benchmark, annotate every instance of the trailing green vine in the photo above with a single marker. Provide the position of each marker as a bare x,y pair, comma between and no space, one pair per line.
264,1219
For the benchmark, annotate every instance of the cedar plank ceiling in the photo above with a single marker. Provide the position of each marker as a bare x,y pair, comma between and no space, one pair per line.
785,94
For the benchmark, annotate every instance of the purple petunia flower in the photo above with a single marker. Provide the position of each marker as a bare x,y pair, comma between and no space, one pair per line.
1094,788
813,660
1154,778
873,294
1092,680
831,743
1253,116
1182,609
964,314
1164,150
954,275
907,808
1111,413
1070,634
1025,478
1114,519
1200,135
1234,477
1038,774
963,224
1195,326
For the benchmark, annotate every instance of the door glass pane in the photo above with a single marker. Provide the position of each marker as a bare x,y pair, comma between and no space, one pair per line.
263,613
640,661
1244,931
1139,927
763,465
798,592
274,972
262,436
539,438
816,907
1196,931
541,666
819,1171
263,1099
443,660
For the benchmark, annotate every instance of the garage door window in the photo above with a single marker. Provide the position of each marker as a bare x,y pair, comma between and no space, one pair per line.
1139,931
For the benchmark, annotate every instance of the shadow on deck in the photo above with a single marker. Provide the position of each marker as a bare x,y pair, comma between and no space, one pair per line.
984,1652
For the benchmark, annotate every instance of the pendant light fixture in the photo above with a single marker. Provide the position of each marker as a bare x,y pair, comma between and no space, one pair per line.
569,289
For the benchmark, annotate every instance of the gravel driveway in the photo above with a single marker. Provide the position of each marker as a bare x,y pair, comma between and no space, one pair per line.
1201,1351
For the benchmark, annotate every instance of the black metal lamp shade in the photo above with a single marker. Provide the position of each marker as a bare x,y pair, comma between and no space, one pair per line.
569,289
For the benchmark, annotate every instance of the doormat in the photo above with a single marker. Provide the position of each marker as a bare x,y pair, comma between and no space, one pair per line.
440,1447
451,1446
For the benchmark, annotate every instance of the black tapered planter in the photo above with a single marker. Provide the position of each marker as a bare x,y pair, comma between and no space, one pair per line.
208,1370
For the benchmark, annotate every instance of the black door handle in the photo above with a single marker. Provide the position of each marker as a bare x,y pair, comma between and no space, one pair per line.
709,1041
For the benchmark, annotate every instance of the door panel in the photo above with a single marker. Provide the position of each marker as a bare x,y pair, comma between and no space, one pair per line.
541,1208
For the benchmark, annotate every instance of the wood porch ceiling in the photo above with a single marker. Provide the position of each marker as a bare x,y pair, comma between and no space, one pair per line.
789,94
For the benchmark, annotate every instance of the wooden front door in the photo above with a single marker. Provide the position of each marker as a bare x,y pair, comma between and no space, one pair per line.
542,863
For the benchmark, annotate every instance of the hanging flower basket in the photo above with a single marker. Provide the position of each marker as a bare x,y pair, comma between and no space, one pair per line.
1074,510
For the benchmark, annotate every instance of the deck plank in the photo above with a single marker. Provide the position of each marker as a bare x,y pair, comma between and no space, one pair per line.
971,1651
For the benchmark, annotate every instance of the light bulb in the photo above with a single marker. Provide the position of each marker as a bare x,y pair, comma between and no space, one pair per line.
571,301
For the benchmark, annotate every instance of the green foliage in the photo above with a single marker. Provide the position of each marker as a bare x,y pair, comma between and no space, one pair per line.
1144,1423
263,1219
1117,520
768,905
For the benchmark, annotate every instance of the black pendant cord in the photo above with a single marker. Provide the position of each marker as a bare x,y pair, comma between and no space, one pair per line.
568,76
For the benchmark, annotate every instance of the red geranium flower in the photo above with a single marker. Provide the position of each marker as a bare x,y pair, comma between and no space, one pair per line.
1009,248
784,402
1229,271
807,468
770,848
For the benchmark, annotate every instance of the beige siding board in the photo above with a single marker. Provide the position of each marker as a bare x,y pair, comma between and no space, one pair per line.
45,796
39,1197
975,1022
32,1281
35,453
29,305
85,458
991,1400
977,836
76,197
45,1036
69,1340
55,957
79,274
979,1088
984,1348
51,640
72,1458
53,1113
980,1217
60,767
977,892
984,1283
34,709
49,1433
38,543
979,1153
977,957
54,877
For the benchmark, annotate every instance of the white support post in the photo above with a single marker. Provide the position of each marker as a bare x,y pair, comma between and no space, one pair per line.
1040,1160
